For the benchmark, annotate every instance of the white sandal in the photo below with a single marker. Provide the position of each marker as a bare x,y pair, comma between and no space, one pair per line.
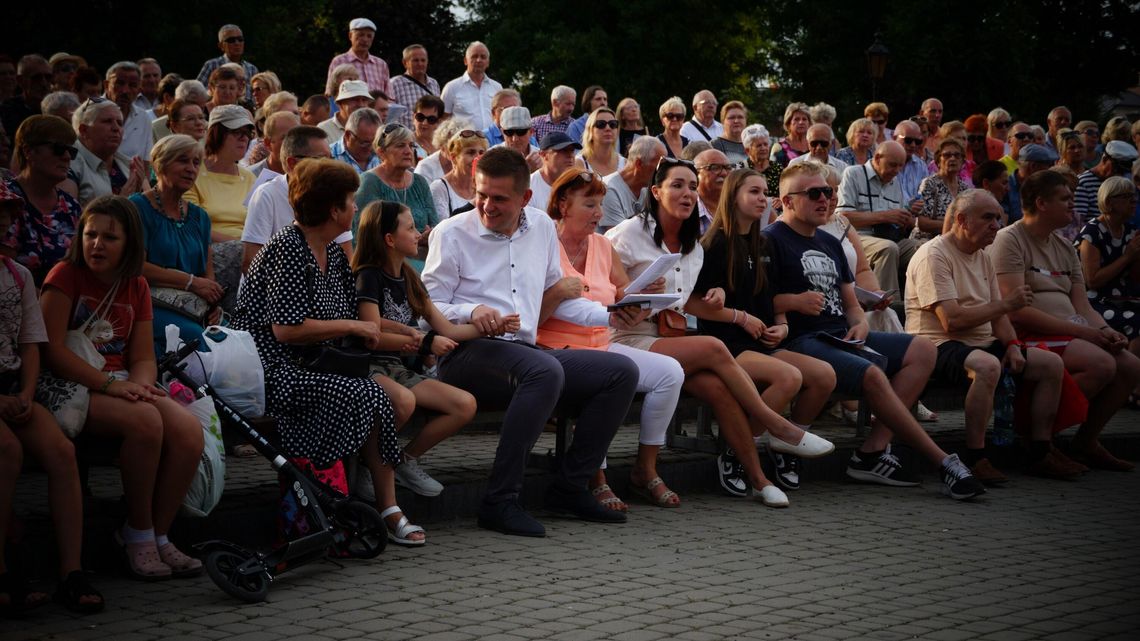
403,528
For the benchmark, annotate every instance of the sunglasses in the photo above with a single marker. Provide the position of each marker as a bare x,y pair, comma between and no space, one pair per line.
59,149
1003,124
233,40
814,193
1024,135
468,133
1070,135
602,124
674,117
952,154
819,143
975,137
516,133
908,140
717,168
666,163
585,176
431,120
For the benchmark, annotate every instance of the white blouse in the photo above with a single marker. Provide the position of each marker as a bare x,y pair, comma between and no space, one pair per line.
634,245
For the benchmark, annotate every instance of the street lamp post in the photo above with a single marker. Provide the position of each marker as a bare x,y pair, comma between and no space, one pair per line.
877,56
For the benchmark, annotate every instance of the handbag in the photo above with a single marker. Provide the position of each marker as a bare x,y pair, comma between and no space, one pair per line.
671,324
67,400
344,357
182,302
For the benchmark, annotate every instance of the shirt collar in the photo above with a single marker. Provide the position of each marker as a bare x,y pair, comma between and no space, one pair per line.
524,225
367,57
874,174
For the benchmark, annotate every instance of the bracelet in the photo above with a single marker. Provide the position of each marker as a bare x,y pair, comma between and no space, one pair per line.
189,282
735,312
107,384
425,345
1016,342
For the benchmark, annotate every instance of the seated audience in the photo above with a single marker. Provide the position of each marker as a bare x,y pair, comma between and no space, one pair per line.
632,126
100,169
599,143
797,119
703,125
625,190
426,119
672,114
1108,246
734,115
992,178
187,118
938,190
435,165
757,143
223,184
860,142
557,151
455,192
355,147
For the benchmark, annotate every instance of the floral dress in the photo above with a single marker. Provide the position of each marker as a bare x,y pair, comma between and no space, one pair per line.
1118,302
936,199
40,239
323,417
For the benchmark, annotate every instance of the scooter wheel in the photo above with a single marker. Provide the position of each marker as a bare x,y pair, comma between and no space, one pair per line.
362,531
223,565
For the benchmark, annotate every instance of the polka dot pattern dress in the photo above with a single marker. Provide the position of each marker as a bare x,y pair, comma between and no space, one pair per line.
1121,315
323,417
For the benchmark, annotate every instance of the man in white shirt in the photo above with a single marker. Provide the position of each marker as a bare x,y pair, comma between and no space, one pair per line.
352,95
150,75
819,137
624,189
123,83
872,200
276,126
703,125
269,208
499,260
712,168
469,96
557,153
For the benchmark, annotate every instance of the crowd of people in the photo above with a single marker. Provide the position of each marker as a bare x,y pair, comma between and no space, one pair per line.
491,259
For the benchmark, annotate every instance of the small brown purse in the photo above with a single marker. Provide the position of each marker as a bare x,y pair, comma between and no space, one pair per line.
670,324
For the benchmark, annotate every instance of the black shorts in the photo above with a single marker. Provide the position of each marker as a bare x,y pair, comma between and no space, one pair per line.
951,364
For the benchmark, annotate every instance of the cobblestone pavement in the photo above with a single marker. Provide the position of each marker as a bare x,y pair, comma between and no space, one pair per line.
1036,560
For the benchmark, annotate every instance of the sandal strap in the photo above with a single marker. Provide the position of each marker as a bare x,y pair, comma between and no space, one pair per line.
601,489
654,483
389,511
76,586
405,528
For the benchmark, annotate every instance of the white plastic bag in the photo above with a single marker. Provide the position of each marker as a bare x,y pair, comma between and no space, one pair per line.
210,480
232,367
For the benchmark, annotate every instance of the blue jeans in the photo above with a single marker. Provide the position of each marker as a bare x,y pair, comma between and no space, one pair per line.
850,365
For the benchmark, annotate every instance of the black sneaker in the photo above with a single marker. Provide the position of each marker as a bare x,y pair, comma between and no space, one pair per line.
787,469
733,478
957,481
884,470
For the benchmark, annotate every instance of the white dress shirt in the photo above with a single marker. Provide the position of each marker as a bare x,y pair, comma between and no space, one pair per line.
832,162
469,265
269,212
461,97
138,136
539,191
690,131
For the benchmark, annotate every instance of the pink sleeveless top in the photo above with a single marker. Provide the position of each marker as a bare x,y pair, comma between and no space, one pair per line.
559,334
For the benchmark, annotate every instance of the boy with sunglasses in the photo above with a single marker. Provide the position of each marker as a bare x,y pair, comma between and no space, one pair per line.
815,288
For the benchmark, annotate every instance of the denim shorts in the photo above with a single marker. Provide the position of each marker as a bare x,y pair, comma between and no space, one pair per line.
849,365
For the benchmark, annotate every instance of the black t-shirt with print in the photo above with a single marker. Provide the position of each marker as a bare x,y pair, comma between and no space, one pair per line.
817,264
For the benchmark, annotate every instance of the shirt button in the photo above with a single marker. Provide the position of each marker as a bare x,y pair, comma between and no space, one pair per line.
512,265
677,269
678,289
513,291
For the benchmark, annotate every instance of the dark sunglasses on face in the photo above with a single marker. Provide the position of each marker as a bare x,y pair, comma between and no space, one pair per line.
1024,135
674,117
431,120
59,149
907,140
233,40
516,133
1004,124
602,124
819,143
814,193
467,133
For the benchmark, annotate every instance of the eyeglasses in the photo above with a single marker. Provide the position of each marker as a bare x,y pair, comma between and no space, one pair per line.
244,131
516,133
949,155
976,137
715,168
233,40
674,117
431,120
466,133
59,149
1091,132
908,140
66,67
813,193
666,163
819,143
602,124
701,103
1002,124
1023,135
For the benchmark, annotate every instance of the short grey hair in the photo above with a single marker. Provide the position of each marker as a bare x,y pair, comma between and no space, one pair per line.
966,201
170,147
228,27
447,129
273,120
31,59
337,76
191,91
1113,186
57,101
561,92
673,103
503,93
122,65
644,148
148,61
474,44
88,112
996,113
694,149
822,111
408,50
392,135
276,101
752,133
361,116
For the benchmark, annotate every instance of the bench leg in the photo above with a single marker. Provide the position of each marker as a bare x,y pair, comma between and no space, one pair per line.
864,418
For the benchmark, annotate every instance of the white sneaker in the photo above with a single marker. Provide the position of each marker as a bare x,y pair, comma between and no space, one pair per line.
409,474
771,496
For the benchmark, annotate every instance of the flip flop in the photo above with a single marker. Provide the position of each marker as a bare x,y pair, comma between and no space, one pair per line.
666,498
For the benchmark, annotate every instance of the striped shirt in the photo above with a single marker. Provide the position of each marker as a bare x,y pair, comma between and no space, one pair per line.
1084,200
373,70
212,65
545,124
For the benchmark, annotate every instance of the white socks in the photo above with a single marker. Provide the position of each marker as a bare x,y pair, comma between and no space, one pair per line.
131,535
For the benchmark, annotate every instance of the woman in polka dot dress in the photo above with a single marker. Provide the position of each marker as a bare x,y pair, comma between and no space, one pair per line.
1109,247
299,291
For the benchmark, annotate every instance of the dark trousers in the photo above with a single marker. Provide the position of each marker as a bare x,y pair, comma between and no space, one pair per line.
529,382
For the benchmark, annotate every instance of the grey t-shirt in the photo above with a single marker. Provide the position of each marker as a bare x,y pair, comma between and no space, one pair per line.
619,203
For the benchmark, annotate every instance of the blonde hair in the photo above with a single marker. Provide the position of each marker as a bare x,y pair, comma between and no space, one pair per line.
171,147
588,134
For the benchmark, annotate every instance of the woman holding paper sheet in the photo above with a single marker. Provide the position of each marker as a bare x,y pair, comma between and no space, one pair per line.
671,225
593,270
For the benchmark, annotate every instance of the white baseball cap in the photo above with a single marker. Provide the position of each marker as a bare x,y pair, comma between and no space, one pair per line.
353,89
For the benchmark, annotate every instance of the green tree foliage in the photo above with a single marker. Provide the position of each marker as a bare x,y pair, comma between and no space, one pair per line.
294,38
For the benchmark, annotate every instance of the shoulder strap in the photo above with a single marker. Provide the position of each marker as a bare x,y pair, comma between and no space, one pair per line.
701,129
870,194
11,265
418,83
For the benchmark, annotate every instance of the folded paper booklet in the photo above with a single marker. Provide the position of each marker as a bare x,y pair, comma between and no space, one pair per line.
869,299
659,268
656,302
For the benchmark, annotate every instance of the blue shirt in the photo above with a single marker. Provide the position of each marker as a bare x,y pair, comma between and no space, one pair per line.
578,127
801,264
1012,201
340,153
910,178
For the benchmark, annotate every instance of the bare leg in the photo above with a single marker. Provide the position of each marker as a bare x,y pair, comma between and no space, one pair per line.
140,426
733,424
906,385
456,407
893,413
985,370
402,398
818,384
1110,399
1046,369
383,481
11,460
182,444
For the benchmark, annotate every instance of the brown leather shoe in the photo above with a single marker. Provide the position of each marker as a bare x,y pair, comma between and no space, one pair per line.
1054,467
985,472
1100,458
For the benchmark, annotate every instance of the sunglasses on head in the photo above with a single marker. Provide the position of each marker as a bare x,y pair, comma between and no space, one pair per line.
813,193
666,163
59,149
1068,135
233,40
516,133
602,124
674,117
431,120
1003,124
819,143
1023,135
908,140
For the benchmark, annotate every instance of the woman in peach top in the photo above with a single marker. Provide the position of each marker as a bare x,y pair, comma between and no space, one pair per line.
592,270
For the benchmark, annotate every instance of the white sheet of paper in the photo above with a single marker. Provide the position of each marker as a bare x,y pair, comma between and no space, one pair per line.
659,268
656,302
